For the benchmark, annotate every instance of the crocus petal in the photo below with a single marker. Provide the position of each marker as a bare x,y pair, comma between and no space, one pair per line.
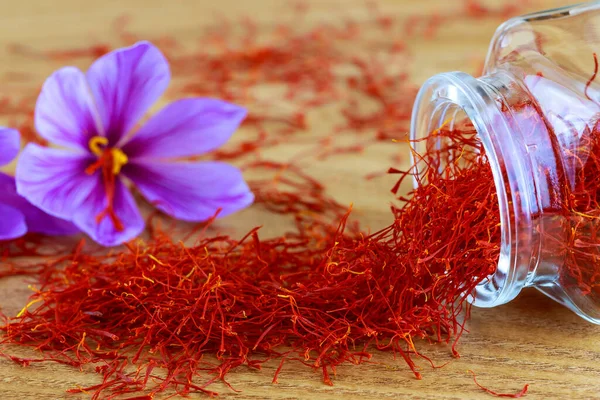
12,223
125,83
105,232
191,191
54,180
10,144
65,113
37,220
185,128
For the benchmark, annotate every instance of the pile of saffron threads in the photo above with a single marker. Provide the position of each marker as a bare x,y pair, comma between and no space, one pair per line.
163,316
150,318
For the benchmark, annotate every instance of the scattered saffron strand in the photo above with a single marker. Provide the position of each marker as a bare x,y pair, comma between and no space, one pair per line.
493,393
592,79
229,65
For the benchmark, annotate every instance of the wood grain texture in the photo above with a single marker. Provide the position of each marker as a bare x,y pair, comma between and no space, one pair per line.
531,340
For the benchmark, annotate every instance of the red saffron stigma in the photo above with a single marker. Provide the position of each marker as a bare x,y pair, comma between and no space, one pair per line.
592,79
106,163
518,395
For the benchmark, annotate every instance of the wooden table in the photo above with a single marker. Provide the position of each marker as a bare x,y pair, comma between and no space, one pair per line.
531,340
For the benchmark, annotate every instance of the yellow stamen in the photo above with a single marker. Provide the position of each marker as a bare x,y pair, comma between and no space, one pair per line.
96,145
119,160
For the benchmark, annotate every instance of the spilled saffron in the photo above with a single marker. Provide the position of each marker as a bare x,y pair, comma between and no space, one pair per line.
520,394
164,315
321,295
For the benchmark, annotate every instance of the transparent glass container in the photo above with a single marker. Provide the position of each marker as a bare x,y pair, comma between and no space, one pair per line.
536,110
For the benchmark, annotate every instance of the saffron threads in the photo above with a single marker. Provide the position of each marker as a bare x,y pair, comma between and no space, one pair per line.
592,78
493,393
574,236
161,315
351,65
322,295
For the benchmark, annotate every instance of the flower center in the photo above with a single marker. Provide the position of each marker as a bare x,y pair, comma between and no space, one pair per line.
110,161
118,158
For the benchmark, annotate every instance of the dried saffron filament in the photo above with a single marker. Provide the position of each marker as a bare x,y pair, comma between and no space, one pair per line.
592,78
493,393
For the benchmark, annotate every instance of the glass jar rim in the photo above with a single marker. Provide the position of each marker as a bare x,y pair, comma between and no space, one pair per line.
482,105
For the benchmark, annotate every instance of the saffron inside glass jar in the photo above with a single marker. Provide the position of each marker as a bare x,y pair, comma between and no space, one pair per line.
536,113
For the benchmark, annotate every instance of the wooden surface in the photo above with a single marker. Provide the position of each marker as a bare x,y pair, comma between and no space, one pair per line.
531,340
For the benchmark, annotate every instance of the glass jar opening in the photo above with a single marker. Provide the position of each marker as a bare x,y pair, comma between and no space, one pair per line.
457,100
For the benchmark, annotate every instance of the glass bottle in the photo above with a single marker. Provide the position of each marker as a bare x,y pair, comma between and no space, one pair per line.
536,110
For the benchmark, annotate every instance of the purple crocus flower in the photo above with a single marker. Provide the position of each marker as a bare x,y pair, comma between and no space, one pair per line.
17,215
92,115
